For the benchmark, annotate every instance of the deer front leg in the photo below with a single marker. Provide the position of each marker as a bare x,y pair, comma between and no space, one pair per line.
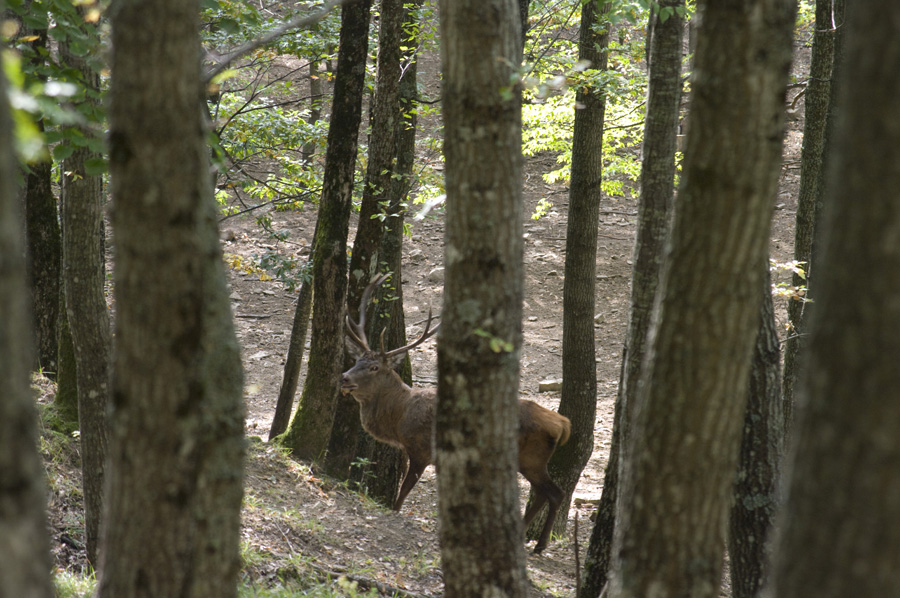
413,473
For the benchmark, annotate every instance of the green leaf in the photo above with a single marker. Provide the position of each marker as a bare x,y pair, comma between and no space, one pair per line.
230,26
95,166
96,145
36,20
63,151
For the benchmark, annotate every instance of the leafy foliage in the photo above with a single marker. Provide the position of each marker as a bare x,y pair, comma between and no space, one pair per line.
47,90
548,119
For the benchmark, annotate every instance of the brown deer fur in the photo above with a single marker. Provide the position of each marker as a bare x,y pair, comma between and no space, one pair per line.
393,412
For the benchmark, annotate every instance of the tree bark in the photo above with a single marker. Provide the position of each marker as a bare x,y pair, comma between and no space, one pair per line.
480,341
579,364
293,361
41,231
24,551
45,255
759,463
65,403
654,214
365,259
841,520
84,283
311,426
812,177
678,472
174,484
381,466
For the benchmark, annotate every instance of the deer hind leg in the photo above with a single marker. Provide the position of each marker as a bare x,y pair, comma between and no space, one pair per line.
413,473
546,492
534,508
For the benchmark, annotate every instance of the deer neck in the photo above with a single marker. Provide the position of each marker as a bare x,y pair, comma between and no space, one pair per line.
380,411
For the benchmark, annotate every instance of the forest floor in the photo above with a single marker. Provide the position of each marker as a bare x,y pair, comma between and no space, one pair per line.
298,524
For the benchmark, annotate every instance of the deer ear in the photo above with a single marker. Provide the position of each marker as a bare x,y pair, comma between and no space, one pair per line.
397,360
353,347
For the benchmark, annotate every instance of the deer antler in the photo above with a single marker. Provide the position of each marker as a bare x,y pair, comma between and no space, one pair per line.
358,331
429,332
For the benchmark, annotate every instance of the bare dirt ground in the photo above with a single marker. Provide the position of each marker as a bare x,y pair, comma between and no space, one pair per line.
296,522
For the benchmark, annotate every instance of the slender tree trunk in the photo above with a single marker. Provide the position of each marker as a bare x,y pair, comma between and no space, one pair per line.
579,390
812,176
42,232
294,361
65,403
45,254
311,426
315,107
654,214
174,482
678,472
84,282
523,19
480,342
381,466
365,260
24,548
759,464
840,525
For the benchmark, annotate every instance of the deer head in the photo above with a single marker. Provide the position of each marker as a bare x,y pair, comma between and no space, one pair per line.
362,378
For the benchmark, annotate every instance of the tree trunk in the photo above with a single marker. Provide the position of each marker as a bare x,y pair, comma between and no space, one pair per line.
311,426
41,230
24,551
65,402
840,525
812,176
44,253
523,19
381,466
293,361
481,336
678,472
365,259
315,106
579,364
759,464
654,214
176,446
84,282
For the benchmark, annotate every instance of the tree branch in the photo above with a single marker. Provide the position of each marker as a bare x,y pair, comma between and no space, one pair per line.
295,23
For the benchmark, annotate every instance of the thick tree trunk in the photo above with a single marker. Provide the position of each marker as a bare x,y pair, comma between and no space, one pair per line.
579,364
678,472
365,260
840,525
759,464
24,549
84,282
812,176
311,426
480,341
654,214
176,447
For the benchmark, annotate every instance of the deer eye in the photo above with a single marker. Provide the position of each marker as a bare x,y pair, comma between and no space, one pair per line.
373,367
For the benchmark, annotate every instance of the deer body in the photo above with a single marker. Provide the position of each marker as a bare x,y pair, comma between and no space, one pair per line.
402,416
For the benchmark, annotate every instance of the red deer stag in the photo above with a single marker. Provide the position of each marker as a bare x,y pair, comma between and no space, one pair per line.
402,416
